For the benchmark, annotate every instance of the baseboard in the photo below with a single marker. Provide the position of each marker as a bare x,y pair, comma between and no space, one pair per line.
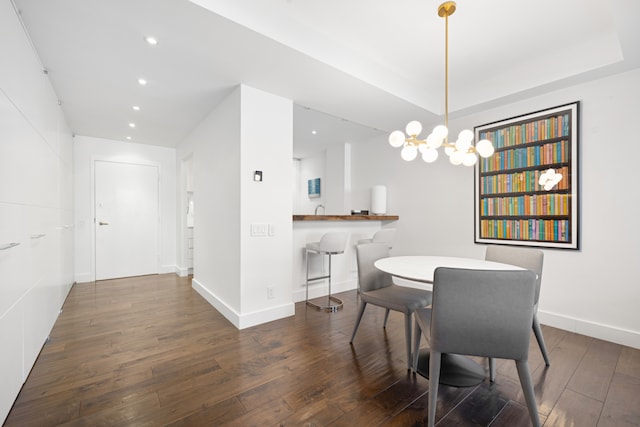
83,277
245,320
320,289
181,271
267,315
591,329
164,269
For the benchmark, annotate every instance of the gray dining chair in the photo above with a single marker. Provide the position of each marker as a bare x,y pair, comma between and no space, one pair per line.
485,313
377,288
531,259
384,235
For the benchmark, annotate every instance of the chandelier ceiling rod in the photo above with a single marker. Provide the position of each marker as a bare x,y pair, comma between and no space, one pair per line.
445,10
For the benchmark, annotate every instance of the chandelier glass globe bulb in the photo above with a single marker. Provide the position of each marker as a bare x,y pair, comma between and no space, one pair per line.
484,147
430,155
463,145
469,159
409,152
396,139
440,132
456,158
414,128
436,142
465,135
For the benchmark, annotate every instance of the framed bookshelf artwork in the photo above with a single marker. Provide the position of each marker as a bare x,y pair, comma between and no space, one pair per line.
526,193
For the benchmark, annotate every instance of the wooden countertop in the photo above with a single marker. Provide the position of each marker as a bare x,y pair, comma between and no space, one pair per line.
345,217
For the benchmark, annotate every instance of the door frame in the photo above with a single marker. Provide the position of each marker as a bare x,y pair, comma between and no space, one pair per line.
158,166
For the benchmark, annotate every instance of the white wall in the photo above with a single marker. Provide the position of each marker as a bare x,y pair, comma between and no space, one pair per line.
337,178
36,207
332,166
311,167
250,130
89,149
593,291
266,144
214,145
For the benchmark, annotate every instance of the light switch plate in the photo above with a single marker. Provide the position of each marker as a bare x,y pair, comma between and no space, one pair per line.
259,230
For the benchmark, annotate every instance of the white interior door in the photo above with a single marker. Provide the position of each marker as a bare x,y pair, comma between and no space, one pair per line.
126,219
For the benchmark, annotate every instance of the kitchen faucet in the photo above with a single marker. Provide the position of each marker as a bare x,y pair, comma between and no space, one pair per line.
318,207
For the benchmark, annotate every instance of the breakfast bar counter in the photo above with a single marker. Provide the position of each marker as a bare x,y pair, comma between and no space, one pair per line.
345,217
310,228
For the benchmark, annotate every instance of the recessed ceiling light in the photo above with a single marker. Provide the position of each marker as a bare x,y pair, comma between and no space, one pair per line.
129,138
136,108
132,125
151,40
142,82
314,132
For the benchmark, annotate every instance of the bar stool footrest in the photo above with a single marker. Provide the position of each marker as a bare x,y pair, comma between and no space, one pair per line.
329,307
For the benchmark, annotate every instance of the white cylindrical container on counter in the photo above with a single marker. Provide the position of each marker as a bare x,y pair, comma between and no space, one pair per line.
379,200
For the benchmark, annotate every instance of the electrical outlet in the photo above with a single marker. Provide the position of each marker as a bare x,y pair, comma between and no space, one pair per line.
270,292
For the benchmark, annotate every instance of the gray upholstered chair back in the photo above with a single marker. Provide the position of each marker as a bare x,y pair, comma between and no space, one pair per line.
482,312
369,277
385,235
528,258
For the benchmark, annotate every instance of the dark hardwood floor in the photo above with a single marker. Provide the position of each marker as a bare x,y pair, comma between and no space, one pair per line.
150,351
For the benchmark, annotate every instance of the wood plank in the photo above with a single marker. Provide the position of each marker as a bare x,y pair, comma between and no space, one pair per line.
593,376
574,409
622,405
481,407
515,414
551,381
629,362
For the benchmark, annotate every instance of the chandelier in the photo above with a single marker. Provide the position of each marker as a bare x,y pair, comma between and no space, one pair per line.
460,152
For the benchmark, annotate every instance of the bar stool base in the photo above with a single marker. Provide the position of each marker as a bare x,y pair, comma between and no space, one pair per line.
330,308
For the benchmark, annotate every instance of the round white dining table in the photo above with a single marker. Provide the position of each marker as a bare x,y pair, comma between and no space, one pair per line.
455,370
420,268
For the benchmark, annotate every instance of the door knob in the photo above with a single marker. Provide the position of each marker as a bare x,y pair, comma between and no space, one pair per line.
103,223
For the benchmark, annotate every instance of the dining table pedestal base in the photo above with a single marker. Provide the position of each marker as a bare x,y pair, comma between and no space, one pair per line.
455,370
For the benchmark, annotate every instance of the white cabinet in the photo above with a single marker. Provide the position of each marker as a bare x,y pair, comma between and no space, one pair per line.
36,208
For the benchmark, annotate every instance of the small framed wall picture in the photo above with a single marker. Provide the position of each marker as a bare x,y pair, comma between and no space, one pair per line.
313,188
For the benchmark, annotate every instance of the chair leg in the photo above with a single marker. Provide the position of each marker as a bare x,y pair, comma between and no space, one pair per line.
434,378
527,388
306,297
417,335
492,369
538,333
363,305
386,317
407,338
423,323
329,295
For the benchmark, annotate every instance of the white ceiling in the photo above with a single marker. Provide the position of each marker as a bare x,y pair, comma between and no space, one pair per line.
370,65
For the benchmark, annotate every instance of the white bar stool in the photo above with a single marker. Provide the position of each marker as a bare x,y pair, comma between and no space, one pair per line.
331,243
